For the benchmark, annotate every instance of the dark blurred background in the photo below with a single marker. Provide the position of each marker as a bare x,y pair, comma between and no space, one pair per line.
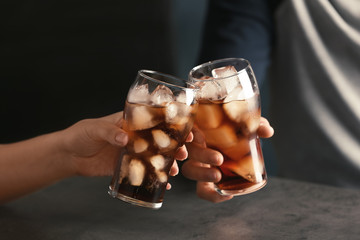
63,61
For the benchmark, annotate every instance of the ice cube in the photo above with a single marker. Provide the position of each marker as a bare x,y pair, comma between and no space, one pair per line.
158,162
162,176
177,113
236,110
140,145
229,75
221,137
142,118
211,90
182,119
136,172
171,112
173,145
251,121
209,115
244,168
181,97
186,97
124,168
236,94
183,109
139,94
161,139
162,96
241,148
180,127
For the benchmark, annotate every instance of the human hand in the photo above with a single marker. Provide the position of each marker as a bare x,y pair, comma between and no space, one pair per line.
94,145
203,161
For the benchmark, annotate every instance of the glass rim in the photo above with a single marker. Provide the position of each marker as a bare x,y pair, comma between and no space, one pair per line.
143,73
206,64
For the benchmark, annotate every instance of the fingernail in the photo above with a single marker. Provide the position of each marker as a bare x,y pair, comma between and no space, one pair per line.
218,159
216,176
121,138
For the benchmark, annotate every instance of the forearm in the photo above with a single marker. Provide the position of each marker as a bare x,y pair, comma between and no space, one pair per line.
30,165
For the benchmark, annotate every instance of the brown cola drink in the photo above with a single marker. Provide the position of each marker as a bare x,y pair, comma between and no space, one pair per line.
229,116
146,165
158,119
234,135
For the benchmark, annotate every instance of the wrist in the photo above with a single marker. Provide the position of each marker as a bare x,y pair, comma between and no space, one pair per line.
62,154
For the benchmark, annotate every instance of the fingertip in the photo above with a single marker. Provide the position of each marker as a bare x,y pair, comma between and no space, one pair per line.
190,137
174,170
210,175
216,175
121,138
271,131
217,159
181,153
265,130
174,173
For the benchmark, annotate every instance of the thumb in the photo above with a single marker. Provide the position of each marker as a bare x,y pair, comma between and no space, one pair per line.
111,133
121,138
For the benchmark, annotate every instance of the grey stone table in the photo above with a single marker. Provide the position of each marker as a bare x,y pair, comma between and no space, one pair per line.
80,208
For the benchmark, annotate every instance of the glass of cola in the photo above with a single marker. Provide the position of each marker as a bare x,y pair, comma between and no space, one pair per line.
229,116
158,116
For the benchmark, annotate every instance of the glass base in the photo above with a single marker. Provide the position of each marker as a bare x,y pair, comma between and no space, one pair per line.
244,191
133,201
